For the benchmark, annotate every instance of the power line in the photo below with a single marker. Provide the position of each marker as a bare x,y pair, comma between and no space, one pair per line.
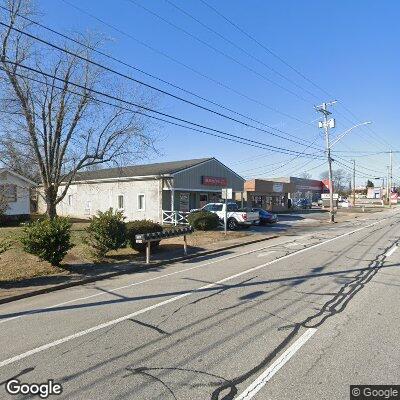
147,74
348,168
368,127
363,167
147,85
143,114
310,169
286,63
232,43
221,84
280,163
265,146
263,46
218,51
363,130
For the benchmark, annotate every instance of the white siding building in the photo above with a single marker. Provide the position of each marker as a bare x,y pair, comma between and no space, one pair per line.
145,191
16,190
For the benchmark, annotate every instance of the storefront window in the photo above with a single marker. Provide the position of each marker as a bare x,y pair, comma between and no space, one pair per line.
203,199
184,202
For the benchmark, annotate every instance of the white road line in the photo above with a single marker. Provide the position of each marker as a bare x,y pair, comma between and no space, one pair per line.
391,251
292,244
2,321
261,381
266,253
173,299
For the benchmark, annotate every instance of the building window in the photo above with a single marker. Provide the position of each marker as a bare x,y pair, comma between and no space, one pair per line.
9,192
88,208
120,201
70,199
141,202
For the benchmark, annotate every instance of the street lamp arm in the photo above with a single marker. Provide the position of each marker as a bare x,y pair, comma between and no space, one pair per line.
346,132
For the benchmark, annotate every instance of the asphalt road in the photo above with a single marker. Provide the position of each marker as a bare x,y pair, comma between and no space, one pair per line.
302,316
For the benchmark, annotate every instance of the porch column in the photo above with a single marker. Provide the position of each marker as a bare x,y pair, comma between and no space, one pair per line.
174,216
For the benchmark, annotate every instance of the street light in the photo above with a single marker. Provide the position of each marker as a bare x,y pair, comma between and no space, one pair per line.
326,125
346,132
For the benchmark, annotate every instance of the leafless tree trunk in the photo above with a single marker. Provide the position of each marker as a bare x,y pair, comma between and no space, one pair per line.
56,127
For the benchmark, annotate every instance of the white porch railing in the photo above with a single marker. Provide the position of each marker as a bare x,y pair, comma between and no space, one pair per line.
175,217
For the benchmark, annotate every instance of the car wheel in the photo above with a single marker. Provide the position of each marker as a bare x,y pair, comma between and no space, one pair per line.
232,224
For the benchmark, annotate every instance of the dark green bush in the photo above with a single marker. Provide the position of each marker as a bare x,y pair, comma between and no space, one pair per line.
203,220
142,226
49,239
107,231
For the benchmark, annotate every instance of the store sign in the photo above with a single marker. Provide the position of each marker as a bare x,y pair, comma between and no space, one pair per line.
277,187
326,196
308,187
327,185
227,194
213,181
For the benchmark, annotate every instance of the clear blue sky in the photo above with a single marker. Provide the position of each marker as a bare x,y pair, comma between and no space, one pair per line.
349,48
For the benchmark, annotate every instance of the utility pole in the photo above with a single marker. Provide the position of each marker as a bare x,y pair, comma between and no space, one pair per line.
354,183
387,184
326,124
391,178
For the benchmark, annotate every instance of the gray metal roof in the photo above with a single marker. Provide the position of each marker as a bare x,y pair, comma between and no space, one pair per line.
165,168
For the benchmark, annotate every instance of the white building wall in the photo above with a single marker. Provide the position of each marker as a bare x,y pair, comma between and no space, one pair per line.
22,205
83,200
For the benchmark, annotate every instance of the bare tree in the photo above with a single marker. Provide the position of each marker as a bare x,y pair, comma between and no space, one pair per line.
305,175
53,119
341,179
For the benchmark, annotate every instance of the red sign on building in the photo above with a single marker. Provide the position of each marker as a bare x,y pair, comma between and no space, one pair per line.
214,181
326,185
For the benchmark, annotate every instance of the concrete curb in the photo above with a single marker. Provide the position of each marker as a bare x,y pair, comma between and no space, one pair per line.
127,272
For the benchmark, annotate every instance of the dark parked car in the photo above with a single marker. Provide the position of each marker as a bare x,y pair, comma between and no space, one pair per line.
303,203
266,217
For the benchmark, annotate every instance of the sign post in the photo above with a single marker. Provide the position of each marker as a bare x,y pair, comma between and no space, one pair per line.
226,194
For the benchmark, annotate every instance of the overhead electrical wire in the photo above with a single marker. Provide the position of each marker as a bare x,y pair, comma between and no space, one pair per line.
232,43
144,83
263,46
205,76
268,50
226,55
264,145
177,97
280,164
349,169
361,166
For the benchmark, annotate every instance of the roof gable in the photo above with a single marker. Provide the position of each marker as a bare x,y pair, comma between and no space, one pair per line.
155,169
9,171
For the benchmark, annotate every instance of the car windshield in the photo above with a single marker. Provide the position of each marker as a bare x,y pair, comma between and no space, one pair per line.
232,207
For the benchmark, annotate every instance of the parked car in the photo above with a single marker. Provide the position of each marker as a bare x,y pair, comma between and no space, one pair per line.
345,203
266,217
236,217
303,203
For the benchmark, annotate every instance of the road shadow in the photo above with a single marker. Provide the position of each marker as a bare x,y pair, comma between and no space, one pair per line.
292,281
